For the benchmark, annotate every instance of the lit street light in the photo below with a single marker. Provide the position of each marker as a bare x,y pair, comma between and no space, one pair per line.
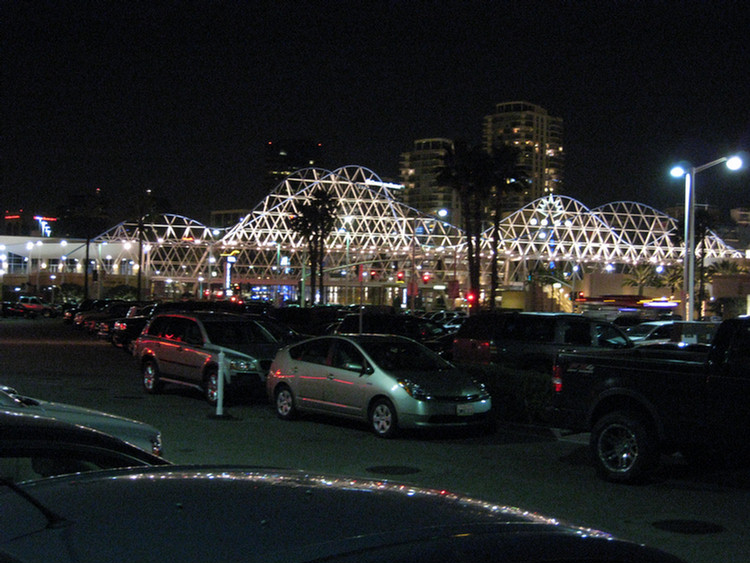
689,172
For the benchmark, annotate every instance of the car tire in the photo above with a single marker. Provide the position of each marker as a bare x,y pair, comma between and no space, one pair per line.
150,377
623,446
284,403
383,418
211,386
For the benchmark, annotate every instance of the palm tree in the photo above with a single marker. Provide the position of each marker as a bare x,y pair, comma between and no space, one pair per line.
723,268
314,221
703,224
642,276
469,171
672,278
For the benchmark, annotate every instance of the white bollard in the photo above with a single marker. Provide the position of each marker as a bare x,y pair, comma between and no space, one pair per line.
220,385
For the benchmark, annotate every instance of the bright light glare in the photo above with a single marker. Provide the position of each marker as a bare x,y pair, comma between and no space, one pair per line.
734,163
678,171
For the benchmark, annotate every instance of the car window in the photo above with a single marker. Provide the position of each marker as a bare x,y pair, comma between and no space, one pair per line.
157,326
394,355
313,351
346,356
538,329
176,329
575,332
474,328
640,330
664,331
608,336
740,345
193,334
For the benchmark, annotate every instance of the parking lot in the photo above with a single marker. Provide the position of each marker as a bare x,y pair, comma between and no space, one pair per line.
701,517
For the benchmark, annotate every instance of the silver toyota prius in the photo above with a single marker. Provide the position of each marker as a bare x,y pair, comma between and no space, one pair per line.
391,382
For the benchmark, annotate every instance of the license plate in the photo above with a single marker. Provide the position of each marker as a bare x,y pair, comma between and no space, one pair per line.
464,410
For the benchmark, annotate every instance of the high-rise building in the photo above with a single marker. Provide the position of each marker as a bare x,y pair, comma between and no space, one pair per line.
284,157
538,135
419,170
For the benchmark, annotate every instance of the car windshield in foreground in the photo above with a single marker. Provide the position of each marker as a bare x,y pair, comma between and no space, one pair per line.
236,334
403,354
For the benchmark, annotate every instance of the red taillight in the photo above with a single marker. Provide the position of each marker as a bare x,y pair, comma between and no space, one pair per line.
557,378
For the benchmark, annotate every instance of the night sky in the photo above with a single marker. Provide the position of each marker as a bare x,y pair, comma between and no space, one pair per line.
180,97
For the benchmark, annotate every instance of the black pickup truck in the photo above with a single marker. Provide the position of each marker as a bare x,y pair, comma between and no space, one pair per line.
640,403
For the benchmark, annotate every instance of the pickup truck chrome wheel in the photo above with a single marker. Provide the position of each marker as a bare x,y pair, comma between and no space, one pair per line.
623,447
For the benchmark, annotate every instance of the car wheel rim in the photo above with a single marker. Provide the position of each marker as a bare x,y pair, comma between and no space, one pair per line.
618,448
382,419
284,402
148,377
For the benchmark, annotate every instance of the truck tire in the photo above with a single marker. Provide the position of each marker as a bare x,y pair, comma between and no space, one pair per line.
623,447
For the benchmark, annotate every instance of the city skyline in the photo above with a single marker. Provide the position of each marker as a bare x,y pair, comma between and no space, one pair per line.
181,99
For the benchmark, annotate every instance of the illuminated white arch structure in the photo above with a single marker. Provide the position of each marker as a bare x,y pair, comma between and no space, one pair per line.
172,247
378,240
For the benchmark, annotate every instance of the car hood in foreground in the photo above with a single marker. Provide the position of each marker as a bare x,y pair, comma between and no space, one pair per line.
134,432
230,514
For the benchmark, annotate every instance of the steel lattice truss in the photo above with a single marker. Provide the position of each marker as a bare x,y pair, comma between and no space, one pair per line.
373,230
561,229
173,246
383,236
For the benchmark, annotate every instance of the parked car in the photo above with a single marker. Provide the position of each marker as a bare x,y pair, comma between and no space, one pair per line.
202,514
12,309
32,306
114,309
283,333
71,310
125,330
425,331
314,321
35,447
134,432
184,348
531,340
391,382
88,308
639,404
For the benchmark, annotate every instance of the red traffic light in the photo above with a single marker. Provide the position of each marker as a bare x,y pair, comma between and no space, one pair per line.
400,276
470,297
425,277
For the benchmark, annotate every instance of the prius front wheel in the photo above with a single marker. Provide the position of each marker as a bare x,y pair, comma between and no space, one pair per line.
383,418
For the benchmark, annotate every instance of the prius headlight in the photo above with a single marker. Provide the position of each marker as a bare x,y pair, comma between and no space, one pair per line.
415,390
243,365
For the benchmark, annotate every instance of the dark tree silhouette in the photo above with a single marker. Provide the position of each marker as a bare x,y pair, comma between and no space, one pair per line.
470,171
314,221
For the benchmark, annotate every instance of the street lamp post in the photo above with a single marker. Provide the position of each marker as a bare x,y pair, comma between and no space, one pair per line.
689,172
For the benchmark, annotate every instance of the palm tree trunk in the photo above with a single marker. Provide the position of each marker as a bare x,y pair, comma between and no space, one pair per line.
321,260
495,246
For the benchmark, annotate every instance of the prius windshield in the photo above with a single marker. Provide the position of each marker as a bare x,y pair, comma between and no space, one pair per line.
402,354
